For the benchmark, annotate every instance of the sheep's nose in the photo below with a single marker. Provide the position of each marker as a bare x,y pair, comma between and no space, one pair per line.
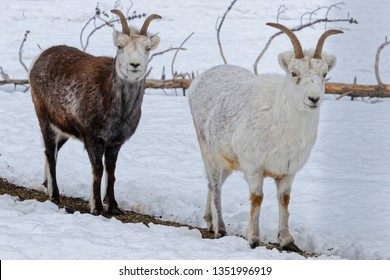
314,99
135,65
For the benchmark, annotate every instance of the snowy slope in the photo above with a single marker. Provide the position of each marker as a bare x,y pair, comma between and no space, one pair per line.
339,206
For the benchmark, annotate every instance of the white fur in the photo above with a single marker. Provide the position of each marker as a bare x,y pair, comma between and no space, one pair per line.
48,179
133,54
262,125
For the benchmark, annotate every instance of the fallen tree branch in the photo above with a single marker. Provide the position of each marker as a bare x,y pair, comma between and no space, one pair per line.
7,80
16,82
171,84
358,90
351,90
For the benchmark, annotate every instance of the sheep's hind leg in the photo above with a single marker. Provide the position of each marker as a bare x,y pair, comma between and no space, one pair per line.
60,141
110,158
213,213
254,179
283,193
50,180
95,150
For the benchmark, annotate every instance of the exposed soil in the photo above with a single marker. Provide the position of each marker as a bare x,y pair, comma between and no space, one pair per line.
74,204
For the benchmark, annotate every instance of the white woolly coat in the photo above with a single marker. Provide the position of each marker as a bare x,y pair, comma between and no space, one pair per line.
247,121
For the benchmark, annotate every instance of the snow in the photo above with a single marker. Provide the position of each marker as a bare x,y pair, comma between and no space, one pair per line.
339,206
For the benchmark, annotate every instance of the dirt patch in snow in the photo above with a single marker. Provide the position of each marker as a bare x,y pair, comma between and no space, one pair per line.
74,204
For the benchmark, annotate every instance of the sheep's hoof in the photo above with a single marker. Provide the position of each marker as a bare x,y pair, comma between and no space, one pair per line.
292,247
69,210
115,212
219,234
96,213
254,244
55,200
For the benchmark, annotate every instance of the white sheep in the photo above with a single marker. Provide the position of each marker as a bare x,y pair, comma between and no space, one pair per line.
94,99
263,125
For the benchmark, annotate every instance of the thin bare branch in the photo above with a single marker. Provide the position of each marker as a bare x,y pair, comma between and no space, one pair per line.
177,50
281,11
314,12
377,58
21,50
82,32
331,7
98,18
165,51
3,74
311,23
221,20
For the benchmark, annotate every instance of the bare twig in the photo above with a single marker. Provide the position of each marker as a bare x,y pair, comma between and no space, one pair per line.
4,75
311,23
148,73
221,20
21,50
8,80
110,23
331,7
281,11
377,58
174,56
165,51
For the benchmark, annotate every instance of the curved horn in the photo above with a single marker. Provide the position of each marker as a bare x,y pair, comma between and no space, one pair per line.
294,40
321,41
125,26
145,26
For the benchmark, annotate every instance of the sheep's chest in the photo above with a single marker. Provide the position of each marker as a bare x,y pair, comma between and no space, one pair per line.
120,127
286,157
283,150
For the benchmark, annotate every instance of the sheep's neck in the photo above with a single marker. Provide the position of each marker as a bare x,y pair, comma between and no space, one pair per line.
293,118
128,96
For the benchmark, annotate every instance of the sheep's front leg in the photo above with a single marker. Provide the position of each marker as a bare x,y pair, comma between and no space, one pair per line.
110,158
283,194
255,183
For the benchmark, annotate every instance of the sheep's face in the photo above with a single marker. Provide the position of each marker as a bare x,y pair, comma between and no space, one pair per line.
306,79
133,54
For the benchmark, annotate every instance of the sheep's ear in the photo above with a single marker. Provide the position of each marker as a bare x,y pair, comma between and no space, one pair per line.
285,59
330,60
155,41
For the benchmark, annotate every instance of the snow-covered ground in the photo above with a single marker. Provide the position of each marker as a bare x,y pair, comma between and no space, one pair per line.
340,202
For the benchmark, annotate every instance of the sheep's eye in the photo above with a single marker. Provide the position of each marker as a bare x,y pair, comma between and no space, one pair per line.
294,74
148,49
324,75
120,47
